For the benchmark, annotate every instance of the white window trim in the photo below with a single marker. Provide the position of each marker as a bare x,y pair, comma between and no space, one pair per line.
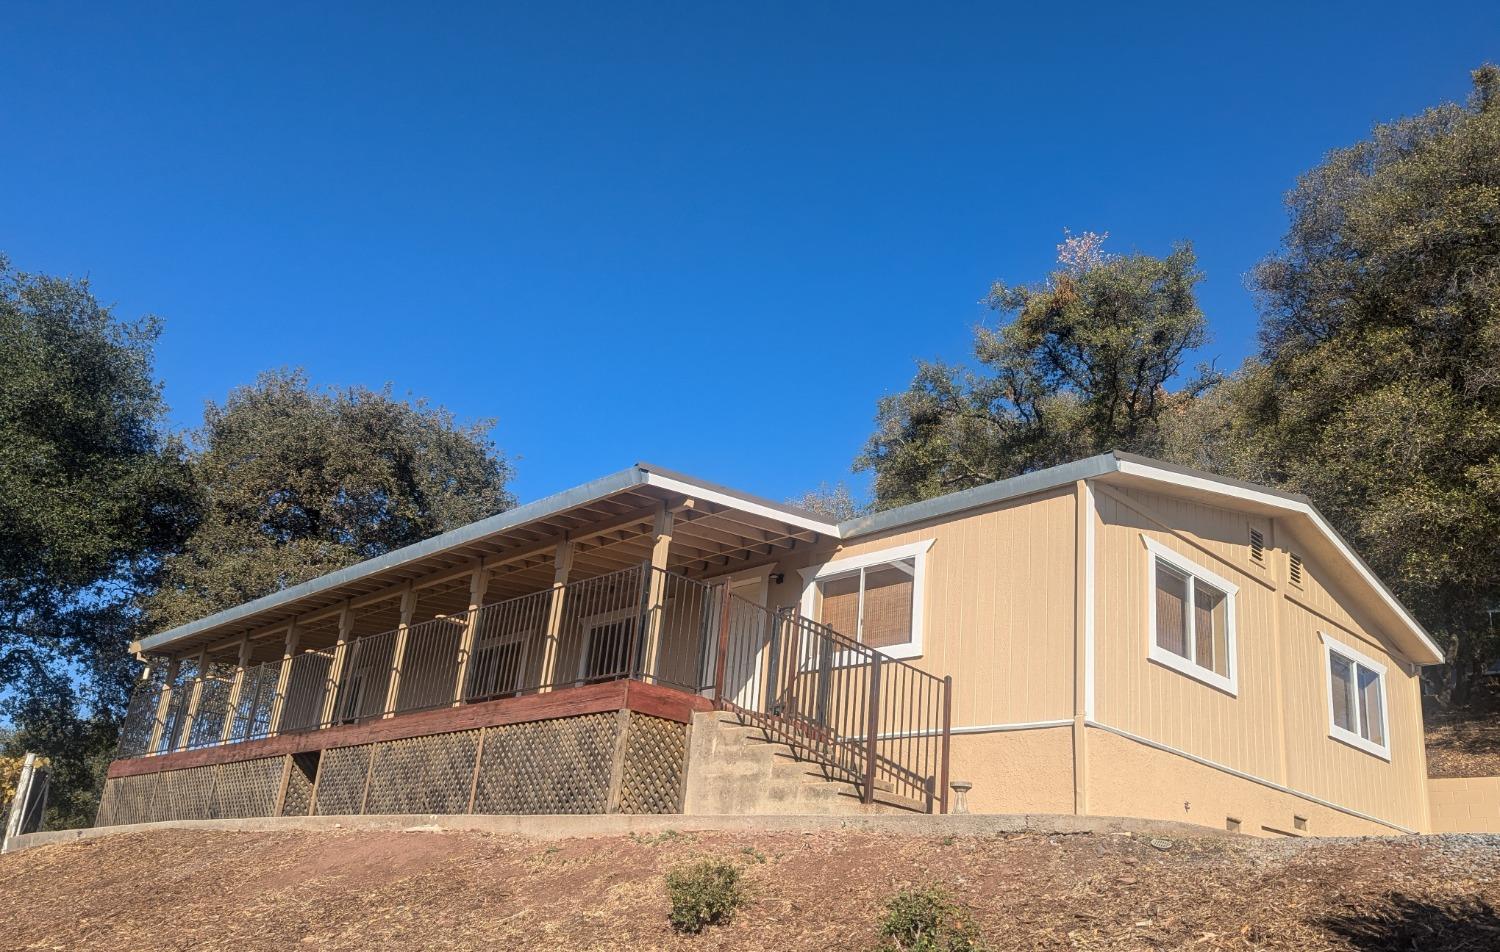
1229,685
1333,646
916,551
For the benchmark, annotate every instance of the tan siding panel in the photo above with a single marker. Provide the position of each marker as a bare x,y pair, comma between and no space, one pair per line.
1328,768
1145,698
998,606
1241,731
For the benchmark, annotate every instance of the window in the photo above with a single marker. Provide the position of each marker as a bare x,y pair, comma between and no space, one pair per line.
1356,699
1191,620
875,599
606,647
1294,568
1257,547
499,665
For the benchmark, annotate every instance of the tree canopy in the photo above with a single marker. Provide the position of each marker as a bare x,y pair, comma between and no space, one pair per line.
294,482
1081,366
93,495
1377,387
835,503
112,527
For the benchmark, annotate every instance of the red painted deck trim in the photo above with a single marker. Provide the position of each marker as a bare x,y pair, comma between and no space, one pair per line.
654,700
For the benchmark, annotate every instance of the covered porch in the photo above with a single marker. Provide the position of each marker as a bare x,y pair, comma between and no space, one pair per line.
630,582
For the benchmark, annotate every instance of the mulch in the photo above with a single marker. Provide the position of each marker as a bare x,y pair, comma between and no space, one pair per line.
180,890
1464,746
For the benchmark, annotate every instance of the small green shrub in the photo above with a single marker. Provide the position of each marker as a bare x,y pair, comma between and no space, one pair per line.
704,894
926,920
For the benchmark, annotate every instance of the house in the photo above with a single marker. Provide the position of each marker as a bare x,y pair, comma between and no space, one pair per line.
1115,636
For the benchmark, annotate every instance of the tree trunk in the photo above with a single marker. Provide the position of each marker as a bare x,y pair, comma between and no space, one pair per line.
1464,668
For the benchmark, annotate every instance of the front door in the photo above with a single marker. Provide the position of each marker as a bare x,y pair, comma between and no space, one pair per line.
748,632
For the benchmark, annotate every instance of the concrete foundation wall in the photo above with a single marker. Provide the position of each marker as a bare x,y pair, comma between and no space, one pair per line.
1465,804
1128,778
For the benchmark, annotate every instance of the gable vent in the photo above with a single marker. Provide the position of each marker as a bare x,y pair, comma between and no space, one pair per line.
1296,569
1257,547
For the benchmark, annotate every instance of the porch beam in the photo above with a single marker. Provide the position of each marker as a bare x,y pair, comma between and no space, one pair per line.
612,558
563,566
503,557
714,550
398,654
759,523
478,582
284,676
729,562
701,525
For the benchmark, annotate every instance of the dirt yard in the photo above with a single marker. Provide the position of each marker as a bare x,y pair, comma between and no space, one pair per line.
417,891
1464,744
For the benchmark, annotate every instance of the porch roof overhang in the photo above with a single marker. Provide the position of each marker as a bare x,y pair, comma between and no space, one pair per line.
610,522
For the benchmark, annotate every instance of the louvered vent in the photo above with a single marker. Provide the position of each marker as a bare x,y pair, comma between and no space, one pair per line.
1257,547
1296,569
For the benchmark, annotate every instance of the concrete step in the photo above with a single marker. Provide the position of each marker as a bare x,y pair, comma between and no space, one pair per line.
745,737
739,770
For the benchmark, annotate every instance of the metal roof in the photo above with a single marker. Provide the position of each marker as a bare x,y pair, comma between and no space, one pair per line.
1113,466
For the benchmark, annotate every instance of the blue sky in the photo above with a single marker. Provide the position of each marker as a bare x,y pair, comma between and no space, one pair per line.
705,235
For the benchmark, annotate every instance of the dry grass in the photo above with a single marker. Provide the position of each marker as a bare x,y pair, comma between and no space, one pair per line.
438,891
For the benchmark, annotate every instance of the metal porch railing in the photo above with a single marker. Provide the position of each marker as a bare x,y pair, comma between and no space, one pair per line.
879,723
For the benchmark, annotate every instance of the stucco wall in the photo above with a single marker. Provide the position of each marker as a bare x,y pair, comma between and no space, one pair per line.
1126,778
1016,771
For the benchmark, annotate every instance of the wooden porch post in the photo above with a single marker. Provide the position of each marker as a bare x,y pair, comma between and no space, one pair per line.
562,562
164,704
237,688
288,652
336,669
398,655
195,696
478,582
661,544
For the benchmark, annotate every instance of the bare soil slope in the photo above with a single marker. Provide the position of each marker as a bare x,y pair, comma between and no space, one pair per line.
1465,742
384,891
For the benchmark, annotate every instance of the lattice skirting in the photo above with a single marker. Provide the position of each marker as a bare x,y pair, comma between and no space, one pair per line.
619,762
221,791
654,767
